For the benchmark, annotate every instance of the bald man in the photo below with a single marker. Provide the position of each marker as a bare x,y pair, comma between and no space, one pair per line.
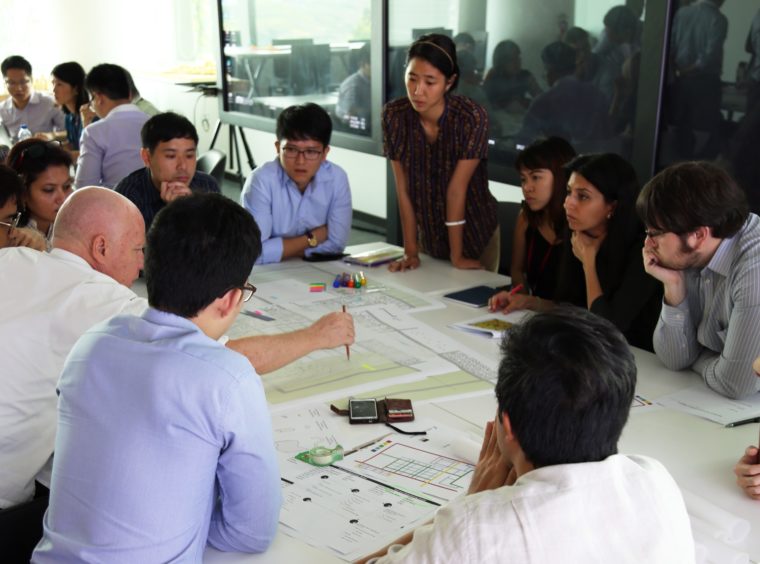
51,299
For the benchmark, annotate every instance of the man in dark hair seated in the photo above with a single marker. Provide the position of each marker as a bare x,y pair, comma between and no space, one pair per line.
110,147
300,200
24,106
549,480
169,143
704,246
164,438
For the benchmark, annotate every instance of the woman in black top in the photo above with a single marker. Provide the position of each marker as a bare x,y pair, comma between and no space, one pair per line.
601,266
541,224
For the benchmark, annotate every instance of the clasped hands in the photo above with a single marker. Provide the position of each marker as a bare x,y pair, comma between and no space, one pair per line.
492,470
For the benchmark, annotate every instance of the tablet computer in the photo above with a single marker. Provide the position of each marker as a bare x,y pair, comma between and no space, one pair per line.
477,296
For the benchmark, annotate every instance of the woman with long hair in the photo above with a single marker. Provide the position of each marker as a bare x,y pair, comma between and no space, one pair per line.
601,267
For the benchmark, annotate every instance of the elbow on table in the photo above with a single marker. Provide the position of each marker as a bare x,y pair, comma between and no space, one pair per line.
739,389
237,540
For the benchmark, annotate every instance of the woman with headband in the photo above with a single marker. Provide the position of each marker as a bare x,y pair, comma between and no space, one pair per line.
438,143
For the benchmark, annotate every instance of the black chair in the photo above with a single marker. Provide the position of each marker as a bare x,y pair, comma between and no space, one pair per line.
21,529
507,213
212,162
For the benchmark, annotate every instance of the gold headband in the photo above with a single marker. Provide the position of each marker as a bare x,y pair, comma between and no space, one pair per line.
453,66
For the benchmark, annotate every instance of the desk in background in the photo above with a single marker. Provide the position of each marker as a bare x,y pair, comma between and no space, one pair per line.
699,454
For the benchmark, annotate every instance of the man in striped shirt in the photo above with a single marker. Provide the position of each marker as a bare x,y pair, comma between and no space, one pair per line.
704,246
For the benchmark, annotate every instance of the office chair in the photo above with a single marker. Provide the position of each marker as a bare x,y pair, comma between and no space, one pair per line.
212,162
507,213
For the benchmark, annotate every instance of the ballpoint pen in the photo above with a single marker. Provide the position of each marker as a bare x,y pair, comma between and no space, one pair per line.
348,351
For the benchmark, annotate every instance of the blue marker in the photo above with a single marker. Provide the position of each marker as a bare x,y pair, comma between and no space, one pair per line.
336,282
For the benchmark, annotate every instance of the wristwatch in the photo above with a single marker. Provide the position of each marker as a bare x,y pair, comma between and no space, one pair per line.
311,239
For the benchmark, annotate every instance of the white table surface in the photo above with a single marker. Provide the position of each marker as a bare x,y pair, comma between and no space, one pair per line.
698,453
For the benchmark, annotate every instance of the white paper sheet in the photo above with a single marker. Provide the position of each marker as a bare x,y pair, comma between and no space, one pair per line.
411,466
703,402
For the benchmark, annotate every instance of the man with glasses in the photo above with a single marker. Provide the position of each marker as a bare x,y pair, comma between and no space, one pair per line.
164,436
300,200
704,246
24,105
169,144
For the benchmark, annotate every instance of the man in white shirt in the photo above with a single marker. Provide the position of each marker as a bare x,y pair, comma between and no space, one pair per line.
549,485
50,300
110,148
24,105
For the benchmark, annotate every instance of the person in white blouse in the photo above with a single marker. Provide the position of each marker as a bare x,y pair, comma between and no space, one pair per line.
550,485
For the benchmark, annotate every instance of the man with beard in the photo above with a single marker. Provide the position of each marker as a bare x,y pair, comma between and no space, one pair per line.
704,246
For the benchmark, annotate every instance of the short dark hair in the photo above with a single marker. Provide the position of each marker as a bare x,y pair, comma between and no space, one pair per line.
109,80
309,121
165,127
72,74
621,20
463,40
31,157
689,195
438,50
552,154
198,248
559,57
575,35
11,185
16,62
566,380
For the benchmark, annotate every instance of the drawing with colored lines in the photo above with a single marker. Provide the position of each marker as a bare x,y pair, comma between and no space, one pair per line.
409,466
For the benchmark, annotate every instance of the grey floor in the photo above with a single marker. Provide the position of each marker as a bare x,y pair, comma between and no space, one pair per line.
231,189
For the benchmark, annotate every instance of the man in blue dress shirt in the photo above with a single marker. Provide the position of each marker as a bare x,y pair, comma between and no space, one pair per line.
109,148
169,150
300,200
164,441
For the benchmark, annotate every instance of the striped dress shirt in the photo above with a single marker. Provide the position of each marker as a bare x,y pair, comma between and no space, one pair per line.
716,329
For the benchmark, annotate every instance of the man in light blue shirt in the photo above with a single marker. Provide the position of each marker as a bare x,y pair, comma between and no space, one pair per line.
110,148
300,201
164,440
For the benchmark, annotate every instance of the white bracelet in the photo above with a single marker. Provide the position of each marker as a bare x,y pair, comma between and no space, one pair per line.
455,223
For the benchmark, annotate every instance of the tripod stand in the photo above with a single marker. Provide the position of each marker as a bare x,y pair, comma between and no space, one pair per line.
234,131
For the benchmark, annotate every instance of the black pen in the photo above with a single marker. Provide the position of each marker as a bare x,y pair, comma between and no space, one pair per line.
744,422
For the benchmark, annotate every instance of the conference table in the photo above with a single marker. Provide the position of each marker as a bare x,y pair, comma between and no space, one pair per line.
700,454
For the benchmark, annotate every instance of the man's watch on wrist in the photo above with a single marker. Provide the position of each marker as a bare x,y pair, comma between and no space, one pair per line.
311,239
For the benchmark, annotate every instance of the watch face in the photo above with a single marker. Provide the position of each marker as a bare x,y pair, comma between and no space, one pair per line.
311,239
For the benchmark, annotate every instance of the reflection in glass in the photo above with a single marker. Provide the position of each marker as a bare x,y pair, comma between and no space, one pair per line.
273,60
539,68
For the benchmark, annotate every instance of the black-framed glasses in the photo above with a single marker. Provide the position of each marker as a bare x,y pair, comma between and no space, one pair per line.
654,233
248,291
13,223
21,84
291,153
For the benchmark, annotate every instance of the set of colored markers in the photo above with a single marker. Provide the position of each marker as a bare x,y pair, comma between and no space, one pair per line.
350,280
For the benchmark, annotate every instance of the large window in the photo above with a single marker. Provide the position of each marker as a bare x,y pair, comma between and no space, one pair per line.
711,95
277,54
556,67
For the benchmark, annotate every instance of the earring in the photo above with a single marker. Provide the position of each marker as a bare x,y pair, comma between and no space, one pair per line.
609,215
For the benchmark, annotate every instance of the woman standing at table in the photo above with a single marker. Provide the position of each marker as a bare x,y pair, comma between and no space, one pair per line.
601,267
541,224
438,143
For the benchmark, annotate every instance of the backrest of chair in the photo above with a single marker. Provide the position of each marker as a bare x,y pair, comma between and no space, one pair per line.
507,213
212,162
